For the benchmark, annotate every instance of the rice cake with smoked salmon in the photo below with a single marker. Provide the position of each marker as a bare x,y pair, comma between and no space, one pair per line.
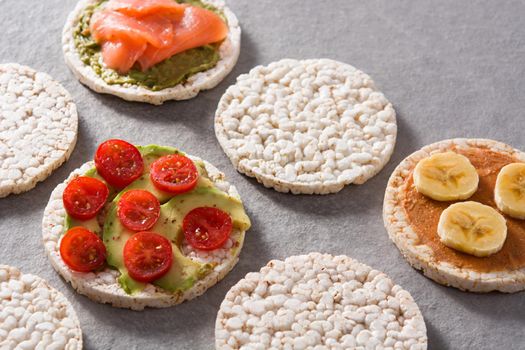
228,54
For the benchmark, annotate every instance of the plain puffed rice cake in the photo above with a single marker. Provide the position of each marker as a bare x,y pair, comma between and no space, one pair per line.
420,256
103,287
38,127
34,315
229,52
310,126
318,301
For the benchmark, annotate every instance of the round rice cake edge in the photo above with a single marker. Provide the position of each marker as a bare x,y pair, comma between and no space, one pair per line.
420,256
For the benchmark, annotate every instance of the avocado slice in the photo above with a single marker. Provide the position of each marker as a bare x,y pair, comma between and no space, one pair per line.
182,274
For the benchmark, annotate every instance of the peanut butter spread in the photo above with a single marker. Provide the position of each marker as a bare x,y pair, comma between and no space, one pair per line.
423,216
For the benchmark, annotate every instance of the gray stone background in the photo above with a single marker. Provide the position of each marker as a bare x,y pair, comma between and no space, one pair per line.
451,69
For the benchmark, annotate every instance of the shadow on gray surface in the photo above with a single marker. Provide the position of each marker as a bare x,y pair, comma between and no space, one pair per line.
450,69
491,305
406,142
435,340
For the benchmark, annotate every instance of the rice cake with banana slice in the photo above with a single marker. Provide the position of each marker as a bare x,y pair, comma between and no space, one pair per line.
319,301
38,127
35,315
306,127
460,241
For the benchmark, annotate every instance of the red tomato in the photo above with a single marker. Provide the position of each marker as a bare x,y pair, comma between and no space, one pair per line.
82,250
138,210
174,173
147,256
118,162
207,228
84,197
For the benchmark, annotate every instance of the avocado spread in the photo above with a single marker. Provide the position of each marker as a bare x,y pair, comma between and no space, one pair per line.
168,73
184,272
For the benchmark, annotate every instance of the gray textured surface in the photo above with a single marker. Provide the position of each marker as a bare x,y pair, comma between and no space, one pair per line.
451,69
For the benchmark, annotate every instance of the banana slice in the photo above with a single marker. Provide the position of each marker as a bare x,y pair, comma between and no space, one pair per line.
446,177
509,193
472,228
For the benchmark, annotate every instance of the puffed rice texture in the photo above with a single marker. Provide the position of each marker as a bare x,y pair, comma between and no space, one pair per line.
34,315
310,126
38,127
318,301
421,256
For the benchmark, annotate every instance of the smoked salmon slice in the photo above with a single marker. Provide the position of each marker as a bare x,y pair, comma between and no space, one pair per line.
154,29
137,8
147,32
198,27
121,56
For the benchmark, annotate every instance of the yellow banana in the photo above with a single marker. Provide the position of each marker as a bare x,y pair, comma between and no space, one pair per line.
446,177
472,228
509,193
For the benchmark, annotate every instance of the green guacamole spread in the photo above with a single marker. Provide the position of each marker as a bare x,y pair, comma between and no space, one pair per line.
168,73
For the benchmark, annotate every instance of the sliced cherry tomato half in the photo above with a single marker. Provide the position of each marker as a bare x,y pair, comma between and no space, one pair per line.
119,162
174,173
84,197
138,210
147,256
82,250
207,228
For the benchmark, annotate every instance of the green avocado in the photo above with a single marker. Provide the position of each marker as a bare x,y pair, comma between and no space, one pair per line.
183,272
91,224
168,73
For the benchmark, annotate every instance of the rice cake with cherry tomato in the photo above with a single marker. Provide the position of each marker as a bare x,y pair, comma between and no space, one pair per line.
411,220
101,284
